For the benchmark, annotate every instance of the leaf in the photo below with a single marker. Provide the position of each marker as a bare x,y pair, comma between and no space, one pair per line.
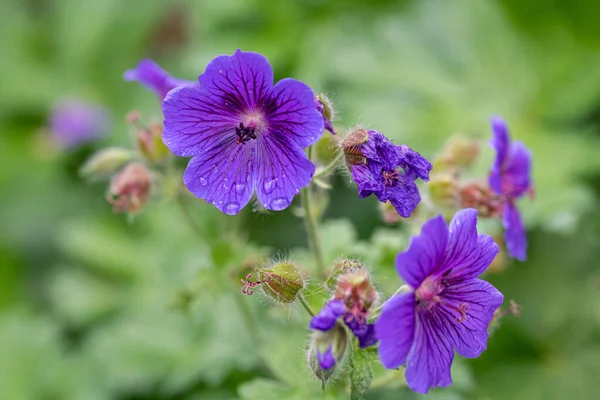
361,375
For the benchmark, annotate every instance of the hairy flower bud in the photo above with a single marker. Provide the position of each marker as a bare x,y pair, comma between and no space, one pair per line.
325,107
460,152
351,146
149,138
282,282
482,198
105,162
340,267
327,351
444,190
130,189
357,292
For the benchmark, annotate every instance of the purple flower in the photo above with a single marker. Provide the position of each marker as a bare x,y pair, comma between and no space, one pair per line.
324,107
379,167
74,123
447,309
510,177
153,77
243,133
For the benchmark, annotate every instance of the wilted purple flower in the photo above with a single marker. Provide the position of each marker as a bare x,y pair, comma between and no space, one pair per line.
354,296
510,177
244,133
389,171
74,123
324,107
447,309
153,77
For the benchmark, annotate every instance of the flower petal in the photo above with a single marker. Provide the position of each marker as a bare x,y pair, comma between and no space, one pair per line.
239,82
465,314
291,112
367,184
414,164
153,77
403,194
395,329
224,175
515,235
328,315
430,357
500,142
196,123
326,360
364,332
425,252
517,175
283,170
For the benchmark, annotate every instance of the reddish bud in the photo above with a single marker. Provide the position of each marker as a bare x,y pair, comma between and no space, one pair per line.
358,293
130,189
482,198
351,146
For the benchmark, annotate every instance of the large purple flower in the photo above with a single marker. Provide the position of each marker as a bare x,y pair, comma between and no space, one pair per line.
447,309
379,167
510,177
74,123
243,133
153,77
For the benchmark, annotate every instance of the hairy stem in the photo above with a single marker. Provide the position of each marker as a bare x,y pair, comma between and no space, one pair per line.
329,167
402,289
307,306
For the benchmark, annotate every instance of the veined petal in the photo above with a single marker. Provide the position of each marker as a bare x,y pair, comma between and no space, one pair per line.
367,184
283,170
240,82
291,112
515,235
328,316
430,357
153,77
466,312
403,194
395,329
224,176
517,175
196,123
326,360
425,252
414,164
364,332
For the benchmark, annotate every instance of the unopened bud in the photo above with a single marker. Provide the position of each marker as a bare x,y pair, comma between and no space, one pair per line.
327,352
358,293
460,152
325,107
105,162
444,190
340,267
482,198
282,282
351,146
149,138
389,213
130,189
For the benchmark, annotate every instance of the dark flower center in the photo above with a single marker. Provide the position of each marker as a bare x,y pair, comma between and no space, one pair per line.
390,177
245,134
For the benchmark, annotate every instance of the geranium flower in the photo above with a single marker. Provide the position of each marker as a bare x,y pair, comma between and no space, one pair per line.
447,307
244,134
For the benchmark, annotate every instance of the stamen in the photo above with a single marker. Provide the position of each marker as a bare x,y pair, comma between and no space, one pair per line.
390,177
245,134
248,286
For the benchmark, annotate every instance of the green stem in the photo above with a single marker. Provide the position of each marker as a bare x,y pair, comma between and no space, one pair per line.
329,167
401,289
307,306
312,228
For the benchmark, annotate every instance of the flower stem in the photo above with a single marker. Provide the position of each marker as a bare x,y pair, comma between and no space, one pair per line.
312,228
401,289
307,306
329,167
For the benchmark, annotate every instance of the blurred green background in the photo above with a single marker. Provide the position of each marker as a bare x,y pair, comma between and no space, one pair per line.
94,305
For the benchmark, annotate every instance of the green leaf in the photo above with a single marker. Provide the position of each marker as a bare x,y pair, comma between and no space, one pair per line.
361,375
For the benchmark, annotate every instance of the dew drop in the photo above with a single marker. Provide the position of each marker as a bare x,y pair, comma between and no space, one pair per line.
203,181
297,190
269,184
232,208
239,187
220,202
279,204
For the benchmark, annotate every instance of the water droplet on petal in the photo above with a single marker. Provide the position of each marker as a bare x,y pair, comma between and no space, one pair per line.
279,204
232,208
203,181
220,202
239,187
269,184
297,190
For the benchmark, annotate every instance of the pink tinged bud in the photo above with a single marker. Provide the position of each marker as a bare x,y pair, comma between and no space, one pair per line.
130,189
357,292
105,162
351,146
281,283
444,190
482,198
389,213
327,352
341,267
460,152
149,138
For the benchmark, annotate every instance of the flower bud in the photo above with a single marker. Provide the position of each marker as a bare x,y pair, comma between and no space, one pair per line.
389,213
351,146
327,351
460,152
358,293
149,138
130,189
444,190
282,282
325,107
105,162
482,198
341,267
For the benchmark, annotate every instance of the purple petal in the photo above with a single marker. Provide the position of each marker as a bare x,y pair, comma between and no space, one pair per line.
403,194
466,312
195,123
500,142
517,175
425,252
328,315
153,77
364,332
326,122
395,330
283,170
238,82
74,123
291,113
414,164
515,235
326,360
224,176
367,183
430,357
